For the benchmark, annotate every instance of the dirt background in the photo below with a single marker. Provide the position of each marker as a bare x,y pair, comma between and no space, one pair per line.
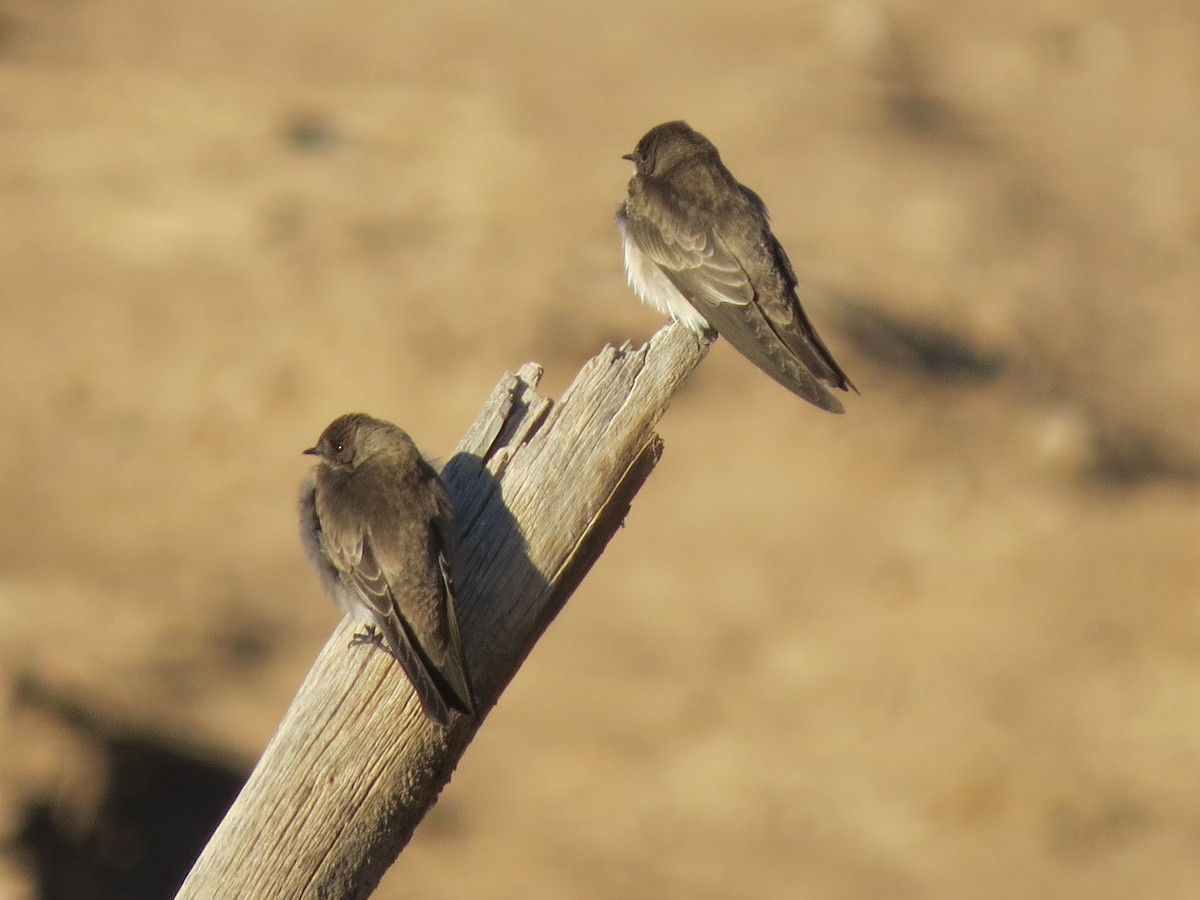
946,645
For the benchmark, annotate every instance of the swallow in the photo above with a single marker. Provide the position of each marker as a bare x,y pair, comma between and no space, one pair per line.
377,524
699,248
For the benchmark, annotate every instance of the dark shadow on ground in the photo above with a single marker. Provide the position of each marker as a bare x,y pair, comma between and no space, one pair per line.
156,807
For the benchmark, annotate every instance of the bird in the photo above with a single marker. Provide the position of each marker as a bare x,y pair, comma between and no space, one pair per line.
377,524
699,248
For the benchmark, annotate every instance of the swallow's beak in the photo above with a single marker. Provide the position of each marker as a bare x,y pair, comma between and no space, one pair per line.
632,157
311,451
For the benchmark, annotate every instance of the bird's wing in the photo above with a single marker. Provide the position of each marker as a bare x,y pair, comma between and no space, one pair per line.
780,308
443,536
713,270
754,334
691,255
413,611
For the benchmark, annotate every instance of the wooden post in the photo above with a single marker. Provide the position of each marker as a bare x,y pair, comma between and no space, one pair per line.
539,489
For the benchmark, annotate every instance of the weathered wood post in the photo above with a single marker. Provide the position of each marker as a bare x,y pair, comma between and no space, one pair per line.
539,489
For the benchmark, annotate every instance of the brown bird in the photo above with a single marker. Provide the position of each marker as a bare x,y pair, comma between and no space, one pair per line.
378,526
699,247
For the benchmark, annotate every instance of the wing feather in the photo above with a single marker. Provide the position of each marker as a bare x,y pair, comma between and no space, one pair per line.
408,590
741,281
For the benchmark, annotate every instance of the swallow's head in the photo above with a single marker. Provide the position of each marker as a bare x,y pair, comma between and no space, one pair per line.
665,146
350,439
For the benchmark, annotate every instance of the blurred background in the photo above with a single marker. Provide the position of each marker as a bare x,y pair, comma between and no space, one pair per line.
947,644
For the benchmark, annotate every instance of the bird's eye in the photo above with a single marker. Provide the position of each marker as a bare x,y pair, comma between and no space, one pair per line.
338,446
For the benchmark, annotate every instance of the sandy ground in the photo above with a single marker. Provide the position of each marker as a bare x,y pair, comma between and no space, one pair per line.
946,645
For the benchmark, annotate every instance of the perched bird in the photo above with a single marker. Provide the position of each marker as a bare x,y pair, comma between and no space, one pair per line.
699,247
378,526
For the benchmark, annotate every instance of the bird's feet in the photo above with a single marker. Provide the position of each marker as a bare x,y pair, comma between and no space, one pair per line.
369,635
